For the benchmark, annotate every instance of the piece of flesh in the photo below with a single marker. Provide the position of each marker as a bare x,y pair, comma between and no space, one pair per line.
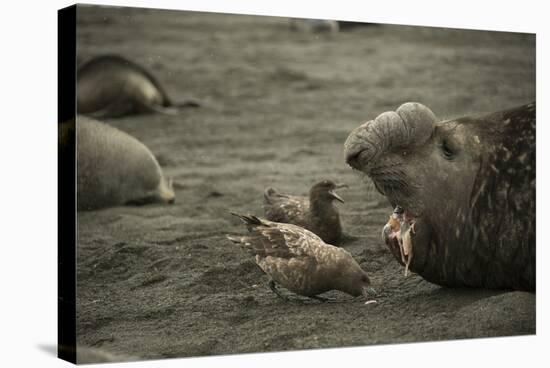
402,227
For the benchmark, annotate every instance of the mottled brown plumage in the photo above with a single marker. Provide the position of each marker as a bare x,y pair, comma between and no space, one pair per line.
316,213
299,260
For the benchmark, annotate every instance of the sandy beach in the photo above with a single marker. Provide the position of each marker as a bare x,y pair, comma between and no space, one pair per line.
161,281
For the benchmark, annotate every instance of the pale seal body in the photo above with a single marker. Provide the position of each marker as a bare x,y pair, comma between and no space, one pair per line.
314,25
112,86
466,187
114,168
89,355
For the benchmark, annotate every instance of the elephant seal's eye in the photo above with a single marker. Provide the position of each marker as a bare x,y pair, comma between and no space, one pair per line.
448,152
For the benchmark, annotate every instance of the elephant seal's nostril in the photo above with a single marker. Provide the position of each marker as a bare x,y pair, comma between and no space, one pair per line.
352,159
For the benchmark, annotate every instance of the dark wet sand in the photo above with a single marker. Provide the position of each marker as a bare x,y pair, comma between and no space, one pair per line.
163,281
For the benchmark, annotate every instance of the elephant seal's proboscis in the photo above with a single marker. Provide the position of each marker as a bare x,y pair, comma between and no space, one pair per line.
463,192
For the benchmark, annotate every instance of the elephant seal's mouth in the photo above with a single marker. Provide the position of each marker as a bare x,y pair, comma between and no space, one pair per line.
391,181
398,233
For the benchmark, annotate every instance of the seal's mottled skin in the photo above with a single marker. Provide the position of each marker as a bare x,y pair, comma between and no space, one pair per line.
469,184
114,168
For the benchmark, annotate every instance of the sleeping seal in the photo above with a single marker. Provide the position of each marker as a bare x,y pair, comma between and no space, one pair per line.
465,191
110,86
314,25
88,355
114,168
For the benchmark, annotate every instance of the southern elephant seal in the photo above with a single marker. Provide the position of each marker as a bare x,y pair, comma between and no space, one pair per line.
465,191
112,86
114,168
316,213
88,355
314,25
